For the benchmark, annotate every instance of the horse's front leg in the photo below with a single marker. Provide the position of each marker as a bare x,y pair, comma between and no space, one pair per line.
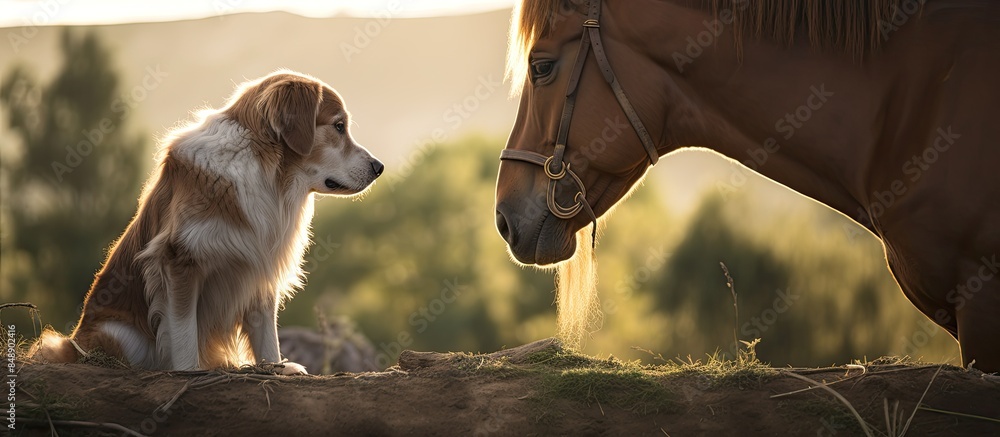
977,303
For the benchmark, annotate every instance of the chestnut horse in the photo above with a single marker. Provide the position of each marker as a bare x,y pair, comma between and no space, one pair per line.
883,112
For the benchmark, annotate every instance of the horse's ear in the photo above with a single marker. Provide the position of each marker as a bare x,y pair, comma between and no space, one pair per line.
290,109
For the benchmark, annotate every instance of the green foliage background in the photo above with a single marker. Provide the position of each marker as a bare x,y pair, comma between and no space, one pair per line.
69,187
417,263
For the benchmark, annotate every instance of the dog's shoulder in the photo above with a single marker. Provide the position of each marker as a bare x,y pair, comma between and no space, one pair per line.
215,166
219,146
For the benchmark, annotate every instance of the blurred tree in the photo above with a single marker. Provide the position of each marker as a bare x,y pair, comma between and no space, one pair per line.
693,281
69,182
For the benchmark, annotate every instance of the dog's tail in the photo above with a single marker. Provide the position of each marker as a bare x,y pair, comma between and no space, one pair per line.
53,347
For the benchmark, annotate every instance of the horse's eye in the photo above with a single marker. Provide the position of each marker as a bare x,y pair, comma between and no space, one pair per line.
339,126
541,68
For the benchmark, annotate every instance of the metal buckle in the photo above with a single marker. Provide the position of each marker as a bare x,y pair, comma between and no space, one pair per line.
555,176
591,23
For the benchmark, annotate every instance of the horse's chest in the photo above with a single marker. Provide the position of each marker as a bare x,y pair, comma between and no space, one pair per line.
923,276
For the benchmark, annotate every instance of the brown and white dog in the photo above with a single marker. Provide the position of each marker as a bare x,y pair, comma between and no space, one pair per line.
217,244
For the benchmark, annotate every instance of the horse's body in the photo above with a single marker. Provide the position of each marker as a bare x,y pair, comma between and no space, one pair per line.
903,140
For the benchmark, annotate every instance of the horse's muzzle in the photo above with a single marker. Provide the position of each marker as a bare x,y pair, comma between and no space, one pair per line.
541,240
503,228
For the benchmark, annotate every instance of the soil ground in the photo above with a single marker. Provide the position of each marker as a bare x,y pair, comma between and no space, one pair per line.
535,389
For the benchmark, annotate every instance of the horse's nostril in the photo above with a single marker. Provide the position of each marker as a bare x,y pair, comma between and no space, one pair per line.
502,227
377,167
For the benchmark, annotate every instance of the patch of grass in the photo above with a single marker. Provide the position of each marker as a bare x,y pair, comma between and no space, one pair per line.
98,358
480,365
891,361
569,375
631,388
746,371
538,362
559,359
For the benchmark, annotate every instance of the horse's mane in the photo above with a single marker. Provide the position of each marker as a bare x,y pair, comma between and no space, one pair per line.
846,26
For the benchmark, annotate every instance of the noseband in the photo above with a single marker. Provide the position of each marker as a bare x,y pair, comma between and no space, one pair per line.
555,167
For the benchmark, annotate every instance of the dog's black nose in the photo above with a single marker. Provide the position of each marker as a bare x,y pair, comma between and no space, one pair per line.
377,167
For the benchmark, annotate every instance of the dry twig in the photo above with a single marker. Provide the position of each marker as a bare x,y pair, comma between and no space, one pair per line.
907,426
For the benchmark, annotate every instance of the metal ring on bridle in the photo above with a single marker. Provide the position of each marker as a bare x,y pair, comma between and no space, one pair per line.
555,176
560,211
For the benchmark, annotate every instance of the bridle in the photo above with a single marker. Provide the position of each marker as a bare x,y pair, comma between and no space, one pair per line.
555,167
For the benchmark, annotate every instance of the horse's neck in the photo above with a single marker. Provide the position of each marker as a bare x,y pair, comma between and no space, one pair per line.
812,136
805,121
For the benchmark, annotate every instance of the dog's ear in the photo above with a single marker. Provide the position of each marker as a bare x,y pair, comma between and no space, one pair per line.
290,109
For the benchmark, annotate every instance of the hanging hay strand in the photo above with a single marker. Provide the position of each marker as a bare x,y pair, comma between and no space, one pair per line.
579,308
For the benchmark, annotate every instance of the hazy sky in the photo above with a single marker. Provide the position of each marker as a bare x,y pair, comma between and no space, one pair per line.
50,12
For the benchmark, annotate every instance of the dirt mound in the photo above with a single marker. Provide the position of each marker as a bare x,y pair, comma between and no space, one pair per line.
536,389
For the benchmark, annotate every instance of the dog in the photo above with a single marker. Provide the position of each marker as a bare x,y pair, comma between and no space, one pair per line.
217,243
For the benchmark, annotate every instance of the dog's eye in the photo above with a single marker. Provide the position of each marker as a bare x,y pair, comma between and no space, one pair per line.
339,126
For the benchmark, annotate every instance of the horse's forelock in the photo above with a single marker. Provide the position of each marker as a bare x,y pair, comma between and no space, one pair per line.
530,20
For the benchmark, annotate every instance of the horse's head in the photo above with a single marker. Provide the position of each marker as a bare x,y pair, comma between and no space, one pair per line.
604,146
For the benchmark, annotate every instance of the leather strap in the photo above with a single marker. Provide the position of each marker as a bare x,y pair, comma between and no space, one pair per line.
524,155
609,76
567,114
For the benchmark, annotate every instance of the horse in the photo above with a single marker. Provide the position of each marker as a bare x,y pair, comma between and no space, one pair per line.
880,110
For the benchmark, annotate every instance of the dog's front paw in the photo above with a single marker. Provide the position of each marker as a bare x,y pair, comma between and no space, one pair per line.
290,368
